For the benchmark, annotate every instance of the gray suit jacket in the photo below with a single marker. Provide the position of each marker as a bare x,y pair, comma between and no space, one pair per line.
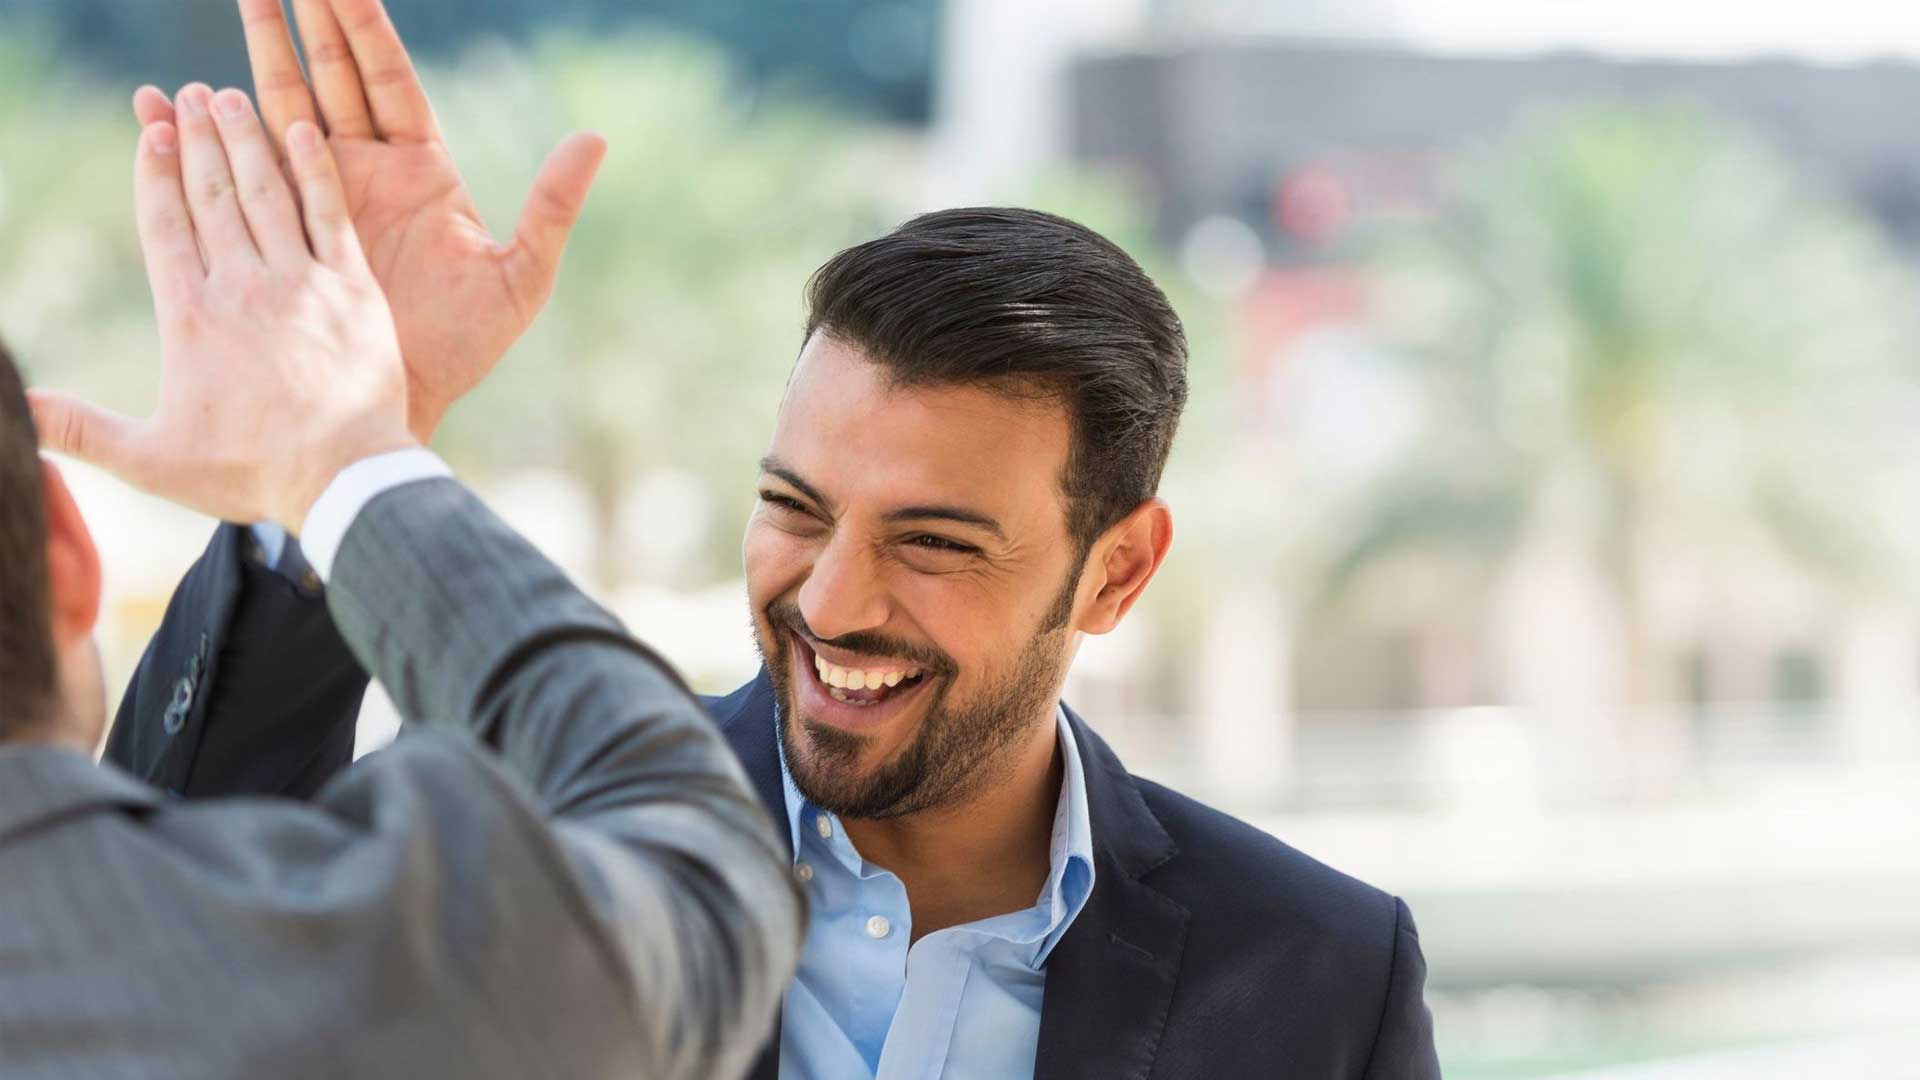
558,870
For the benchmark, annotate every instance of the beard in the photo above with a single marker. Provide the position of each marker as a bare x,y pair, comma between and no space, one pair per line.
961,745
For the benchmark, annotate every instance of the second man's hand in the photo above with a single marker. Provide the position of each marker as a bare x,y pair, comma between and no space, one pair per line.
279,361
460,299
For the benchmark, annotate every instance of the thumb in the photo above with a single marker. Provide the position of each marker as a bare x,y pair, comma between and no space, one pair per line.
80,430
552,208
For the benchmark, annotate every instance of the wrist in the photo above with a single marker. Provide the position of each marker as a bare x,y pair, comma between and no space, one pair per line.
305,491
423,420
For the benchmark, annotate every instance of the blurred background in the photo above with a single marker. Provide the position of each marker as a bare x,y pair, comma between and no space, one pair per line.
1549,500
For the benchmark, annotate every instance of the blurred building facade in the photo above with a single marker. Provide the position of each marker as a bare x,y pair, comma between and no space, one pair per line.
1225,126
1273,160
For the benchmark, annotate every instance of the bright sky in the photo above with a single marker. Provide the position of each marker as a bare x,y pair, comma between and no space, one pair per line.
1826,30
1832,30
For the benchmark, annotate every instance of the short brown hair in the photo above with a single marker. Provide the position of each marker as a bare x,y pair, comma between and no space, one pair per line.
27,672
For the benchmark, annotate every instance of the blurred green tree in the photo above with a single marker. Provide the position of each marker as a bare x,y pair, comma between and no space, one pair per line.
73,298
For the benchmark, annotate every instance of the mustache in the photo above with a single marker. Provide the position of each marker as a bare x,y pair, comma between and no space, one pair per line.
784,614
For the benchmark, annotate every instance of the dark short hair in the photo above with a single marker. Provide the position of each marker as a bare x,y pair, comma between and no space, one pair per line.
27,678
1024,302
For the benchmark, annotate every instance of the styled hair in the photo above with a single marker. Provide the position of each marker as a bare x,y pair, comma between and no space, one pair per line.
1032,305
27,674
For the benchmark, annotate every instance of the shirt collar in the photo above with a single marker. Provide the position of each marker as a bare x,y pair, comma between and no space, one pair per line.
1070,851
1070,881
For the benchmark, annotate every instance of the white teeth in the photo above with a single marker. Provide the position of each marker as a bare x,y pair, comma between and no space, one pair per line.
841,678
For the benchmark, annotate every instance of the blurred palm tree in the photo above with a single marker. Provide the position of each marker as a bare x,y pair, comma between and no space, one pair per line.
1643,336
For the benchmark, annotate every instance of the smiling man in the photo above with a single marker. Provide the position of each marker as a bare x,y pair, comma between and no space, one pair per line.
961,485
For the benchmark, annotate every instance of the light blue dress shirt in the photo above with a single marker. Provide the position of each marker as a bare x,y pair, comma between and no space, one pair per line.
272,540
961,1003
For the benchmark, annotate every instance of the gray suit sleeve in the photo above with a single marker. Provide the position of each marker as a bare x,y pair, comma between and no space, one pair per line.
672,861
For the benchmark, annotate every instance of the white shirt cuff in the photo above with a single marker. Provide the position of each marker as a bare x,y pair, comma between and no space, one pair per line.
356,485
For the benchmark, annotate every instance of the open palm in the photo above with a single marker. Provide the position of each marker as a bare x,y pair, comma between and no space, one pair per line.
460,298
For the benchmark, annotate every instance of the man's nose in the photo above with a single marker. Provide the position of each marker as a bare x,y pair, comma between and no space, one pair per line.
843,594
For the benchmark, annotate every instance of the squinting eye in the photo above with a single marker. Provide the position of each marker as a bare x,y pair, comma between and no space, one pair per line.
781,501
940,543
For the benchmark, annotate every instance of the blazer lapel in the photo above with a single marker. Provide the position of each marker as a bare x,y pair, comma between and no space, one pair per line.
1110,980
746,718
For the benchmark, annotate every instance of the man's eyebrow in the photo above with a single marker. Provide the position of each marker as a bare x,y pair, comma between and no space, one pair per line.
775,467
946,513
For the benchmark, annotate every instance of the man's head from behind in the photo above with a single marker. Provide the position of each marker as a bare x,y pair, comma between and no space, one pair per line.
961,482
50,686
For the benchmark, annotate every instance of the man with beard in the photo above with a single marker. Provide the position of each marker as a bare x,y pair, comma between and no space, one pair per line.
961,484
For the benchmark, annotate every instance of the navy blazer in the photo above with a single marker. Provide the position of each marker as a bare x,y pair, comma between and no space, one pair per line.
1207,949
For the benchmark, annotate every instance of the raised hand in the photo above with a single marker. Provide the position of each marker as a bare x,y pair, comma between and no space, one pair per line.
279,361
460,299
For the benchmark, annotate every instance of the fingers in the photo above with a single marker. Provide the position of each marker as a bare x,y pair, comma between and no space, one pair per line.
160,206
265,200
69,426
393,91
151,106
209,182
336,78
278,82
559,193
329,226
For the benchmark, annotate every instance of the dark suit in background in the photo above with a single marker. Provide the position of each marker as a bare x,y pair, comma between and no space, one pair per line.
1207,949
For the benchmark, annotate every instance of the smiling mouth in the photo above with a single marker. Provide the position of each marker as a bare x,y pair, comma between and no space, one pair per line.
867,686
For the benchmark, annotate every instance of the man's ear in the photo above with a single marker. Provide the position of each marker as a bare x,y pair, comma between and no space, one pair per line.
73,563
1122,562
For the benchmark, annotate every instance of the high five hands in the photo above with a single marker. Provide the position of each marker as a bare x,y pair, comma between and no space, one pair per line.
459,298
279,361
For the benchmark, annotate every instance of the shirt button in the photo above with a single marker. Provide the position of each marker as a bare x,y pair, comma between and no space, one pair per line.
823,826
878,927
803,872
